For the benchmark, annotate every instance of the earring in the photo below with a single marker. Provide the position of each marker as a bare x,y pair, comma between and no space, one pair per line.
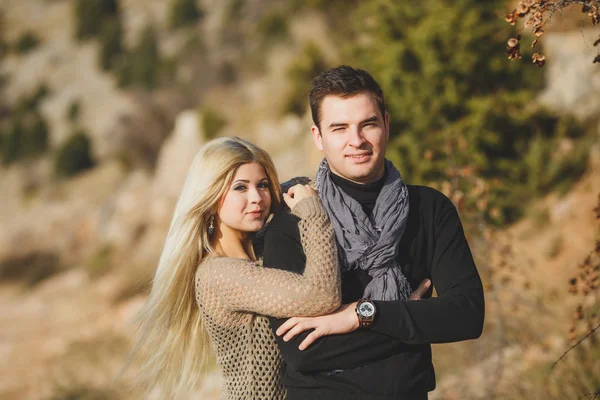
211,227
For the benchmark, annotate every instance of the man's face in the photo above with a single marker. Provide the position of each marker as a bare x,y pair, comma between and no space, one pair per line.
353,136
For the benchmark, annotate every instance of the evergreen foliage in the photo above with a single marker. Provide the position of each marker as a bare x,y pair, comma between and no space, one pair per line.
26,42
74,156
27,137
212,123
300,74
142,65
11,143
458,108
25,133
274,25
184,12
111,46
73,111
91,15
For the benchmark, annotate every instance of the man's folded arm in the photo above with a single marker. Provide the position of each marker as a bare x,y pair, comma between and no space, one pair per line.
333,352
457,313
283,250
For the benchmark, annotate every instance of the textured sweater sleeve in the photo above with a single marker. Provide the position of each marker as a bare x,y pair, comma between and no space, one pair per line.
355,349
241,285
457,313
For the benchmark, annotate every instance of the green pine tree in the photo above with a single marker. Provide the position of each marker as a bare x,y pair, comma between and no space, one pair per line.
74,156
457,105
111,46
184,12
146,60
90,16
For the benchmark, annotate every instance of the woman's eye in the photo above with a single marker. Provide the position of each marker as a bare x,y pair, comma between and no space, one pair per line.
241,187
263,185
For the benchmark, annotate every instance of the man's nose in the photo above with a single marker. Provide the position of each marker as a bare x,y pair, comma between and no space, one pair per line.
355,138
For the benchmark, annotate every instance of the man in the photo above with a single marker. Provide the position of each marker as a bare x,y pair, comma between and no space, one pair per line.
391,236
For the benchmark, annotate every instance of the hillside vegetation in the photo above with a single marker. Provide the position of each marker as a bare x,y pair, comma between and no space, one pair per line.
103,105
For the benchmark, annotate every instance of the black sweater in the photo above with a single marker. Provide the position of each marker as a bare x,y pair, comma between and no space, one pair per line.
392,359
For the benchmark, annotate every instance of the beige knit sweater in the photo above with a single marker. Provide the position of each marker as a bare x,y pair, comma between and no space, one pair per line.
234,295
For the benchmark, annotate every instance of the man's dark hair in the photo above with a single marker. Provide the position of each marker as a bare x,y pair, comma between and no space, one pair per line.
343,81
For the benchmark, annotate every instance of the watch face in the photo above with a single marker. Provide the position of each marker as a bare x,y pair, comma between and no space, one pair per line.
366,309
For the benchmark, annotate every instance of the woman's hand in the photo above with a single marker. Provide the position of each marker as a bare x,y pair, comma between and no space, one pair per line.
297,193
343,320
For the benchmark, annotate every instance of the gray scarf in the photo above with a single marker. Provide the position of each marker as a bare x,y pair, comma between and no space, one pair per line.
370,243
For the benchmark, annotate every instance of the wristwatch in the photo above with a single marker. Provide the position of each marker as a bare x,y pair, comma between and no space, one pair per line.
366,310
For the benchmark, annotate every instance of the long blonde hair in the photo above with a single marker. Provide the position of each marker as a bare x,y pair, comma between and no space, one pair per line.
171,335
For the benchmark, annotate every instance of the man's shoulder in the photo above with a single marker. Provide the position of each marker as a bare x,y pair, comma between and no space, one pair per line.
283,221
427,198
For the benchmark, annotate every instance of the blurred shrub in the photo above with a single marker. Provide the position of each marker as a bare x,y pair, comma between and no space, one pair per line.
300,74
11,143
184,12
74,156
31,103
458,108
91,15
575,377
25,131
142,65
111,46
4,47
212,122
30,268
27,137
100,263
233,11
26,42
89,367
273,25
73,111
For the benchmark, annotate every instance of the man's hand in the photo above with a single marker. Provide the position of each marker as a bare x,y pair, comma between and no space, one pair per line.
343,320
421,290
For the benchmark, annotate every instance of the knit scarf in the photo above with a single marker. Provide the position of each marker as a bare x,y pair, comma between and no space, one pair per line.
370,243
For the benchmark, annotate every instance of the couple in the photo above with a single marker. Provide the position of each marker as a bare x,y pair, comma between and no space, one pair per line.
332,291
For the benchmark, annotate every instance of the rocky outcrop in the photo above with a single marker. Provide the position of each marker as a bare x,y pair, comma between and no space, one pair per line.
573,81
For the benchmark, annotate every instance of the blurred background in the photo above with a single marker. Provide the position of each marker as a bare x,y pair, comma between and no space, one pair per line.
104,103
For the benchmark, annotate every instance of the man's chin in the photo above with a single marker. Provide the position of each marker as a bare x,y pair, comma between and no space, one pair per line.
362,173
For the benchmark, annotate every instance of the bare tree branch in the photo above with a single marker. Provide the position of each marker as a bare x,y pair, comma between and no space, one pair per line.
590,333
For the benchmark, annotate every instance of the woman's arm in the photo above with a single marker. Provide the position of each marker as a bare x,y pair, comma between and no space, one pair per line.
240,285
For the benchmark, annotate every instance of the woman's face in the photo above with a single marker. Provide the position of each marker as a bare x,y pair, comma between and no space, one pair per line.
247,202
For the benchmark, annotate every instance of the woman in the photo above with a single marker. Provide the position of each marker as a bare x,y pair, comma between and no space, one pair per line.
210,286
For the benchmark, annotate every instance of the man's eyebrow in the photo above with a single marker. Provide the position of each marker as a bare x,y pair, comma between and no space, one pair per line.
372,119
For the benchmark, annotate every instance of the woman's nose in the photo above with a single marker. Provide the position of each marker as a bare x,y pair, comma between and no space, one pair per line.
254,195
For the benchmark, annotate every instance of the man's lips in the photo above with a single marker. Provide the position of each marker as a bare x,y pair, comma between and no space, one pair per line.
359,156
